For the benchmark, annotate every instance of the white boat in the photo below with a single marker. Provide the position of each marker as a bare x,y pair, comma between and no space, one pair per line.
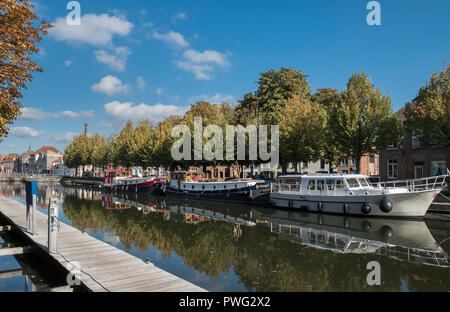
352,194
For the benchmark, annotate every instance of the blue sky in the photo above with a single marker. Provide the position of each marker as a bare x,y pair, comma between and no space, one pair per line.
149,59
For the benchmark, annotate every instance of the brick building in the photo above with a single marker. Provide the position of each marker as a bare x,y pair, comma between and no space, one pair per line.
369,165
411,161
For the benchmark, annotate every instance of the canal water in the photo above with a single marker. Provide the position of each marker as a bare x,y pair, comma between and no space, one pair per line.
230,247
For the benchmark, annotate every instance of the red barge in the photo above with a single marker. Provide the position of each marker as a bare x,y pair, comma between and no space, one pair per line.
122,181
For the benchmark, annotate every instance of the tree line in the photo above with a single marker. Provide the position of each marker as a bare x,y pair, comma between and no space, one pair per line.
329,123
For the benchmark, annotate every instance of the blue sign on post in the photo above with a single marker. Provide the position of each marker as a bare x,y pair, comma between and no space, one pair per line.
31,189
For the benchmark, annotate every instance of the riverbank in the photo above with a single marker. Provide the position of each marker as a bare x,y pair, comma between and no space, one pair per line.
23,178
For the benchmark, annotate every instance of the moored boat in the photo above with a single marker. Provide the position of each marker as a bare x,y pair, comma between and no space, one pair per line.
120,181
195,185
351,194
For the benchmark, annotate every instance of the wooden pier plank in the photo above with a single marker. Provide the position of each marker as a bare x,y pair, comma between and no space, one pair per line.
17,251
104,267
5,228
11,273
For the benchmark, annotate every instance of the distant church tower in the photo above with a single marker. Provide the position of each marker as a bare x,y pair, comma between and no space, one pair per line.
85,129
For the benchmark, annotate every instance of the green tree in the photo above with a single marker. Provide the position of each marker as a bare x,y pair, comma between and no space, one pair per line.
19,34
327,98
275,88
302,131
362,119
428,117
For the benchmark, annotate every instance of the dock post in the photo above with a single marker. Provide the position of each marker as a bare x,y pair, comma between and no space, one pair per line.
53,226
31,199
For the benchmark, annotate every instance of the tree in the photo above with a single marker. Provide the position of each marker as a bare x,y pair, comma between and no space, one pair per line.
362,120
139,145
265,106
19,34
428,117
302,131
211,114
161,142
327,97
275,88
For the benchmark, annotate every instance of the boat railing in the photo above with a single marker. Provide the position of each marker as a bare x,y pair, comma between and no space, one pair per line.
430,183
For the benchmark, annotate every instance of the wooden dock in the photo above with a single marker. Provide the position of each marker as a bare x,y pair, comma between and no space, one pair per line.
103,267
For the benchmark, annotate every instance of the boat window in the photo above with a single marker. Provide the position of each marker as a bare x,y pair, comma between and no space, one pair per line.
192,186
330,185
214,187
224,186
352,183
311,185
340,184
203,187
363,182
320,185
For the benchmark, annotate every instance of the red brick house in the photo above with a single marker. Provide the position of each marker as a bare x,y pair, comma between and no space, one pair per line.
410,161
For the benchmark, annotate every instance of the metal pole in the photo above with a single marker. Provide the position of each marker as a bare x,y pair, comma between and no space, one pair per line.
53,225
33,226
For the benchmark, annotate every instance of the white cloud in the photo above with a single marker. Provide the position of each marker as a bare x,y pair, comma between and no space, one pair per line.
117,60
110,85
178,16
172,39
35,114
122,112
68,63
160,91
75,115
202,72
95,29
208,56
218,98
63,138
140,83
201,63
24,132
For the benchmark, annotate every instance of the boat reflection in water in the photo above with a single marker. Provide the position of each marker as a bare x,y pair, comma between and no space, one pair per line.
190,212
404,240
399,239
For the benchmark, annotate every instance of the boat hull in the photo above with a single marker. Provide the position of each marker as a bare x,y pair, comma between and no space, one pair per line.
147,186
413,204
258,194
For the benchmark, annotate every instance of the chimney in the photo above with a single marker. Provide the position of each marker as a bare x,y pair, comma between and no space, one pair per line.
85,129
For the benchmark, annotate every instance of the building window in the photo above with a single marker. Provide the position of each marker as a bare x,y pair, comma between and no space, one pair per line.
344,162
438,168
418,171
322,163
392,168
344,171
415,142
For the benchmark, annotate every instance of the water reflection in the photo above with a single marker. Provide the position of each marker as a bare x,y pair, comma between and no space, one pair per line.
232,247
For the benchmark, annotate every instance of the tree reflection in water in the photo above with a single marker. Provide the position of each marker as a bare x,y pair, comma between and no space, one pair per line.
262,260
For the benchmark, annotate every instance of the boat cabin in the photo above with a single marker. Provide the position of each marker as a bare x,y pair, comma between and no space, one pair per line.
320,183
290,179
111,174
188,176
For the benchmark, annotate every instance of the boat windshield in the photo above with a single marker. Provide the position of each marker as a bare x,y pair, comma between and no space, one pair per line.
363,182
352,183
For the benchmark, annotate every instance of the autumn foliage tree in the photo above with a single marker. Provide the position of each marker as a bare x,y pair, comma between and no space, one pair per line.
20,31
428,117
